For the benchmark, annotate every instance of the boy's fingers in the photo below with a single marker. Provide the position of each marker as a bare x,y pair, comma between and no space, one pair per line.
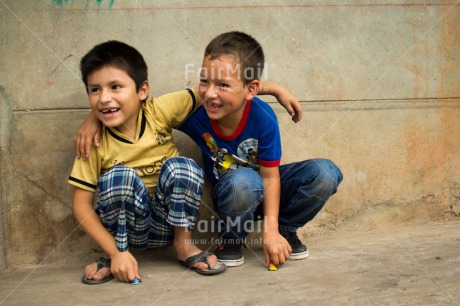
75,143
295,117
96,140
287,253
282,258
81,147
136,272
298,113
275,260
87,148
123,276
133,272
131,275
267,259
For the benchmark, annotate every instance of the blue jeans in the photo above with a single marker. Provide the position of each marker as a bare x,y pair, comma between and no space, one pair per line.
305,188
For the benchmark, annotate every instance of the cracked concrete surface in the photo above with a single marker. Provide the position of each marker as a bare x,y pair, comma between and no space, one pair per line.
410,265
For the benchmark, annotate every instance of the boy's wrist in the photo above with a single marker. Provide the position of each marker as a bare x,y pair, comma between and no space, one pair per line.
113,253
270,224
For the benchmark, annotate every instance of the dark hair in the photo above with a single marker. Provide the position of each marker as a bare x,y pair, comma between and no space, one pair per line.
117,54
244,48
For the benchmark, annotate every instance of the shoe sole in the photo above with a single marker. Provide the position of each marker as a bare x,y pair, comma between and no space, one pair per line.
233,262
299,256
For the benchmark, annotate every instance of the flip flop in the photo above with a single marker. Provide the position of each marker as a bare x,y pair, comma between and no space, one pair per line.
101,263
203,257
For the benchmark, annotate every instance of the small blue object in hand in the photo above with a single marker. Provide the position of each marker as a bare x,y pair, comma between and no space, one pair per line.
136,281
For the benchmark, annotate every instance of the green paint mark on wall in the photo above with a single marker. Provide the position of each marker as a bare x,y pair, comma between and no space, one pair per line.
61,3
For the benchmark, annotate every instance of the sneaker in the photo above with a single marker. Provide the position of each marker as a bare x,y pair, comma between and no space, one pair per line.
231,254
299,250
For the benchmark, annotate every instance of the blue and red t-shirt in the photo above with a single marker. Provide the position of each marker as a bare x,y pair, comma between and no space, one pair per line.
255,142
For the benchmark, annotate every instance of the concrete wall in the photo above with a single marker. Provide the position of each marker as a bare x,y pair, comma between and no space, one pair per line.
379,83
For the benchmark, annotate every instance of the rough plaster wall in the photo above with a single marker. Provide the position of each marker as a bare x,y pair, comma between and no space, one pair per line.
4,154
379,82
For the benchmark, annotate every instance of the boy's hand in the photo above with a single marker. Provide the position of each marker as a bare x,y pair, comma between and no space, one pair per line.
284,97
276,248
124,267
89,130
291,104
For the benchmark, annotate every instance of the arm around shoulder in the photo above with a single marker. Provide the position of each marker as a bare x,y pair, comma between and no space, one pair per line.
89,131
173,108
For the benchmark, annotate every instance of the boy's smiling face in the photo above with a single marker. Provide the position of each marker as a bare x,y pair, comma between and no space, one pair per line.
114,99
222,90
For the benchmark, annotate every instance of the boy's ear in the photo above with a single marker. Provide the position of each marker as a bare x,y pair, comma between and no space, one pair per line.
144,90
253,89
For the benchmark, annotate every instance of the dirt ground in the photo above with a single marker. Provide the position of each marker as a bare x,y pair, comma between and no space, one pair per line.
407,265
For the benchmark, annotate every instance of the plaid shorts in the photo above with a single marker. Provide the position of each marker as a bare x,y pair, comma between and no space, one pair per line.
139,222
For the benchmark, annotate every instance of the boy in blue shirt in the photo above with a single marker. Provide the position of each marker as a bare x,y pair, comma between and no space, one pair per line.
240,142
